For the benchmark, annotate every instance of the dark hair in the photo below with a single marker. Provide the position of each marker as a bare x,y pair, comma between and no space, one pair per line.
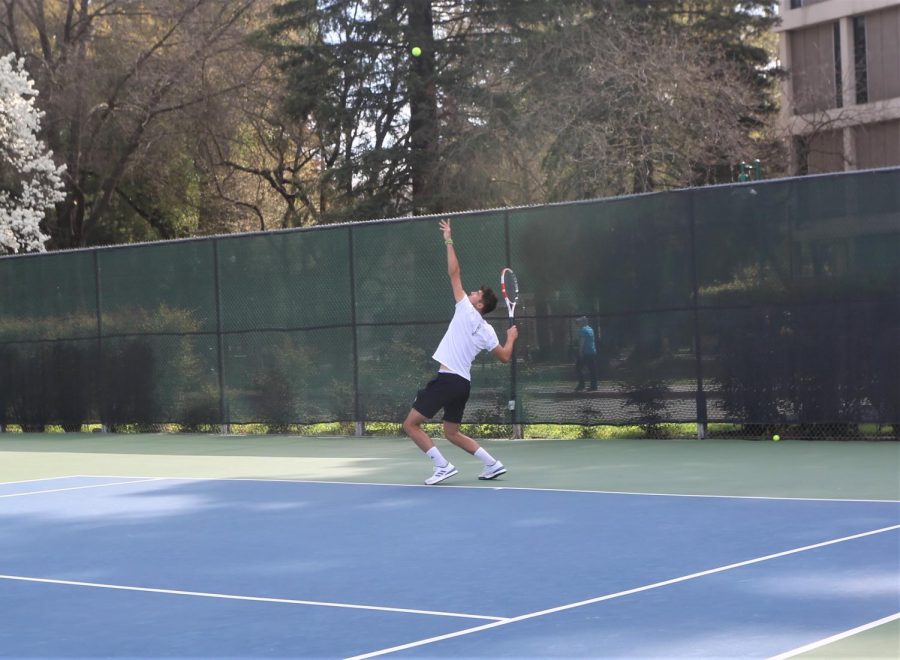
488,300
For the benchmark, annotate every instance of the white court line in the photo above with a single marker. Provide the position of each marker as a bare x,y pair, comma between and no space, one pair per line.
135,480
31,481
258,599
452,487
835,638
599,599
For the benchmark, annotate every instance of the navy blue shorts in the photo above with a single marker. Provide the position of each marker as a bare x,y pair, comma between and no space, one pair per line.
447,391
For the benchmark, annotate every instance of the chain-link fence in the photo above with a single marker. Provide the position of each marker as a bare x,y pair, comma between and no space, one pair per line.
767,305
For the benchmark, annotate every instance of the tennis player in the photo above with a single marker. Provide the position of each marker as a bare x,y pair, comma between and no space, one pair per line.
467,336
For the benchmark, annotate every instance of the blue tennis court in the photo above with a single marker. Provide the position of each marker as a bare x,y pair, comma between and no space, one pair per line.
116,566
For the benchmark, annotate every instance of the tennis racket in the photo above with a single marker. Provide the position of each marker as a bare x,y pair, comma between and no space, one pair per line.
509,287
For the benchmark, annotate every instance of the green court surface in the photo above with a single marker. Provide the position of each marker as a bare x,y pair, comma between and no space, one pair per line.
792,468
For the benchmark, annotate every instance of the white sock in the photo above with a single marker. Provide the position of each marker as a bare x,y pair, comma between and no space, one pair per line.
485,457
436,457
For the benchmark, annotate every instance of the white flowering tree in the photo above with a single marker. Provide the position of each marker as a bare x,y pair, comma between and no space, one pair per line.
30,182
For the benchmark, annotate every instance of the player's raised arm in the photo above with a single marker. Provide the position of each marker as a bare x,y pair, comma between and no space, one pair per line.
452,263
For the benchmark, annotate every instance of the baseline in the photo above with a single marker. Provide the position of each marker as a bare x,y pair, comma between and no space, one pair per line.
510,488
21,493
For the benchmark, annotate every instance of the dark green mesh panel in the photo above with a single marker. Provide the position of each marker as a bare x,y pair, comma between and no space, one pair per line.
768,303
821,363
304,376
159,288
285,280
743,245
646,370
156,379
606,261
401,268
49,381
846,237
50,296
798,281
603,257
48,302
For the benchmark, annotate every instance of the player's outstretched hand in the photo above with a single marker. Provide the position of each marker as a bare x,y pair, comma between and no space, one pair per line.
445,229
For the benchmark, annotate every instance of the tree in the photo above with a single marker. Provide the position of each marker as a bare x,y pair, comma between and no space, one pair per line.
742,33
30,182
520,102
271,164
128,86
622,106
385,121
622,97
344,62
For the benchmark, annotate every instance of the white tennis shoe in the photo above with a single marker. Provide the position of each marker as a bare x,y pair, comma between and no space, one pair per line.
441,473
492,471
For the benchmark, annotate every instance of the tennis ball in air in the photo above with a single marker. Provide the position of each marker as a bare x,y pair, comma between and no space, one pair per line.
776,438
416,51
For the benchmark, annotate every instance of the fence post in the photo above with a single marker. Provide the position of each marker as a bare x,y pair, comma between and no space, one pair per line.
224,422
702,414
357,408
98,305
512,405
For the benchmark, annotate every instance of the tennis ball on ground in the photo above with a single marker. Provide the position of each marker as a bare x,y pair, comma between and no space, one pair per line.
416,51
776,438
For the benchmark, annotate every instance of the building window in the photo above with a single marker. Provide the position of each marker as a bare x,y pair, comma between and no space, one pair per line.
838,76
796,4
859,59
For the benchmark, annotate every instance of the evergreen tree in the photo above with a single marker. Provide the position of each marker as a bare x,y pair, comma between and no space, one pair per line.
387,121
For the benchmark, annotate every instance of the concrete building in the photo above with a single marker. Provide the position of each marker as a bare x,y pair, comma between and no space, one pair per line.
841,101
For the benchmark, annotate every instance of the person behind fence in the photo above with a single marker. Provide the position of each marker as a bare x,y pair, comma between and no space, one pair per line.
586,356
467,335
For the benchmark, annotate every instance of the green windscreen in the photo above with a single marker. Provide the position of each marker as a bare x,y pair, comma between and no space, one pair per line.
761,304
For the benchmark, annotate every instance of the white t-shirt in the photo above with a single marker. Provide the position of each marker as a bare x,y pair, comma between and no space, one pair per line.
467,336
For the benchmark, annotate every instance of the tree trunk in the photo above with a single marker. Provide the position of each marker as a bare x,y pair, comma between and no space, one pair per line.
423,122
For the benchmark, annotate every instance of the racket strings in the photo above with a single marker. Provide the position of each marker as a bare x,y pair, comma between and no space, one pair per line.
509,285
